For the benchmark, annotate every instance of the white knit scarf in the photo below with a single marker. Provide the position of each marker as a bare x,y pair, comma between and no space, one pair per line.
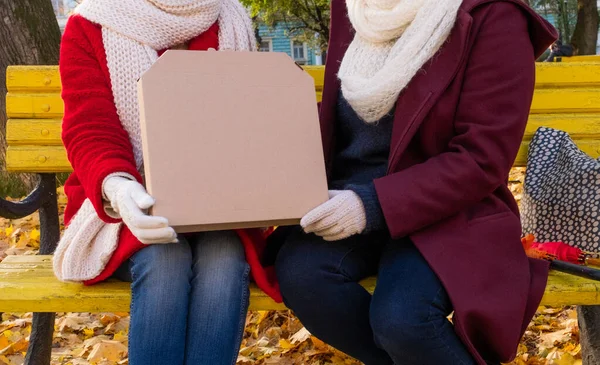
394,39
132,32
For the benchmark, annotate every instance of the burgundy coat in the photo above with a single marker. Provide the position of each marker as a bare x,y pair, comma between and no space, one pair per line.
457,129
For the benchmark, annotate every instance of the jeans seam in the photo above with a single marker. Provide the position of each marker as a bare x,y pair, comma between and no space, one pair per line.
243,309
430,316
133,276
338,269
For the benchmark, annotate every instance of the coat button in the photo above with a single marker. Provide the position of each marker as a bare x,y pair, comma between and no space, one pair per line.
45,132
46,107
47,80
42,159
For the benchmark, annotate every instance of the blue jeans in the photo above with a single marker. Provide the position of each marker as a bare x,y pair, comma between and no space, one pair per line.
404,322
188,300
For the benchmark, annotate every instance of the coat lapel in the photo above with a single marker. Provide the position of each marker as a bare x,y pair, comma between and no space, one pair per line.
427,86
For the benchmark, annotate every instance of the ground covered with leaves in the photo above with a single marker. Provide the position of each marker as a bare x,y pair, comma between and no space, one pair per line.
271,337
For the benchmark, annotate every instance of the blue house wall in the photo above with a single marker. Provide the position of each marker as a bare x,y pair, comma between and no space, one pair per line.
281,41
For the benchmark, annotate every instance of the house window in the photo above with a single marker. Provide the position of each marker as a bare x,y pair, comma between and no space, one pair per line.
299,52
266,45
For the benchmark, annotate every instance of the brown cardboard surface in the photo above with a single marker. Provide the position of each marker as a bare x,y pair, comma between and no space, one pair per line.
230,140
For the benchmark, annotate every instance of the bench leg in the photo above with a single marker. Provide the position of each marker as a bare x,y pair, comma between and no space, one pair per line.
40,341
49,223
42,328
589,333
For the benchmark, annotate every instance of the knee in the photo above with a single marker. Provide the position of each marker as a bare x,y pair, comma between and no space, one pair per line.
161,278
398,325
163,266
300,274
218,257
220,270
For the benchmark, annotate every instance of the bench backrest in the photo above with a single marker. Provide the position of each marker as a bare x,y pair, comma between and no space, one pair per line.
567,97
590,58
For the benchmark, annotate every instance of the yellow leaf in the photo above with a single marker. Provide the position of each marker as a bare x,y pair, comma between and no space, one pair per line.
565,359
108,318
21,243
261,316
109,350
120,336
88,332
10,335
284,344
548,340
9,230
34,234
20,345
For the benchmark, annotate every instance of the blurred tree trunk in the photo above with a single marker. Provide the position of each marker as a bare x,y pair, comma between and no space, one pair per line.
589,333
585,34
29,35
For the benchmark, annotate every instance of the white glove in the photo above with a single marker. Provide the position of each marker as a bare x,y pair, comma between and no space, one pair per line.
342,216
129,200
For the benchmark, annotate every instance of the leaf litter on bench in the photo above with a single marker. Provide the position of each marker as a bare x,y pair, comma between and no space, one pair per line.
271,337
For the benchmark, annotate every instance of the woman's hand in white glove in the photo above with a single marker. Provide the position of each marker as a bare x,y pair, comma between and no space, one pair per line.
342,216
129,200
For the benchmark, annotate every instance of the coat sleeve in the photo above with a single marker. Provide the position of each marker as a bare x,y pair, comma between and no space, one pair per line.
489,124
96,143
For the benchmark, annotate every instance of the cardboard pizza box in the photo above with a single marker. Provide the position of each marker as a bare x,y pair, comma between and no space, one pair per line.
230,140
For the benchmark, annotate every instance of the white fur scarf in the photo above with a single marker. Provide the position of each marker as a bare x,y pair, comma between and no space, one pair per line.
394,39
132,32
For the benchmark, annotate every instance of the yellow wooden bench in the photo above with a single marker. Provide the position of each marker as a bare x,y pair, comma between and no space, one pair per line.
567,97
588,58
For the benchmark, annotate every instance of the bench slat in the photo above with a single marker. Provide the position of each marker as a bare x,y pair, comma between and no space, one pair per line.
554,100
46,78
318,74
589,146
589,58
33,78
568,100
33,132
580,125
48,159
35,288
47,132
552,75
30,158
28,284
32,105
29,97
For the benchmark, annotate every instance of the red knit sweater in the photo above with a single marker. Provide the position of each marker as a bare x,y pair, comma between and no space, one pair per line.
97,145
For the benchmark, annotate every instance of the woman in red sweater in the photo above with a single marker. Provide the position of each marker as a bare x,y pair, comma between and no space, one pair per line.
189,293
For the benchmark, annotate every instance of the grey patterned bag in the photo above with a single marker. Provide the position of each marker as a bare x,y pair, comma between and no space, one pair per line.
561,198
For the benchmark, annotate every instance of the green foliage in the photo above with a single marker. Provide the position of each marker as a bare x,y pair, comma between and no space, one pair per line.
19,185
13,185
564,11
304,18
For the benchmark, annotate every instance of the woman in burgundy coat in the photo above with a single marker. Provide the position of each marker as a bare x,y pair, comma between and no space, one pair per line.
424,108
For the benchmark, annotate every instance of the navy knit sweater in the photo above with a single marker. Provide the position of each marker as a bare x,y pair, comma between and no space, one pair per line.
361,156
